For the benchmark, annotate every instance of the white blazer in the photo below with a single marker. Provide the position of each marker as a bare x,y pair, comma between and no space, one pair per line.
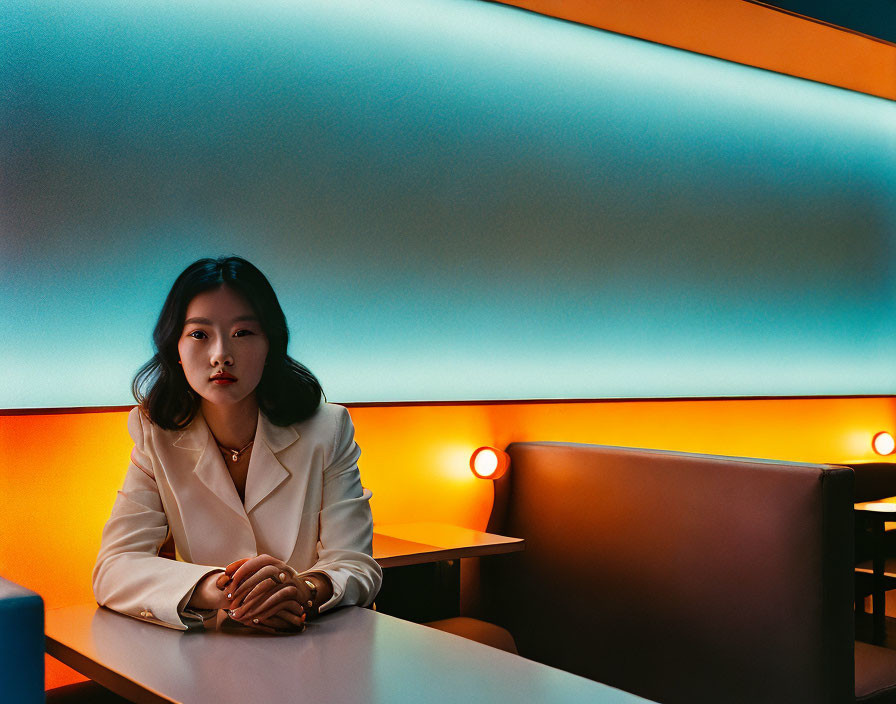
304,505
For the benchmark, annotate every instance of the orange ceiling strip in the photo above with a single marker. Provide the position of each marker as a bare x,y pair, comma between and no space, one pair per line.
744,32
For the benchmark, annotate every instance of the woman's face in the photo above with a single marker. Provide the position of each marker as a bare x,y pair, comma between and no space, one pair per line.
222,347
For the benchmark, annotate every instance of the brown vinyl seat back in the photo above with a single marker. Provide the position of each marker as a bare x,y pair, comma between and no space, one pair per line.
679,577
874,480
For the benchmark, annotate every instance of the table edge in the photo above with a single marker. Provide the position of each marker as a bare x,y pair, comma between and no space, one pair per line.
440,554
110,679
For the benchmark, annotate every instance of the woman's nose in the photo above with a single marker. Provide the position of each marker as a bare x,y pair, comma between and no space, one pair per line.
221,355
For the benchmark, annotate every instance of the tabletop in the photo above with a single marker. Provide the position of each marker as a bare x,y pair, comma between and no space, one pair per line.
415,543
348,655
887,505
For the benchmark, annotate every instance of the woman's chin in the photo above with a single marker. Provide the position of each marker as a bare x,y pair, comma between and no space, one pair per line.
225,396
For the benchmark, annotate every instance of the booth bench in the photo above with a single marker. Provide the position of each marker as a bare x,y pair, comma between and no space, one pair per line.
684,578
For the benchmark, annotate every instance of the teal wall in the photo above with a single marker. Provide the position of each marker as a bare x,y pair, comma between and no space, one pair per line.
453,199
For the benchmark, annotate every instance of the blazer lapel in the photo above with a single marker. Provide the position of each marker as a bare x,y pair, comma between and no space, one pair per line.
266,473
209,468
276,488
274,499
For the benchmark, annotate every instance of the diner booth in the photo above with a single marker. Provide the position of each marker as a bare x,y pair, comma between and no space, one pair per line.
607,293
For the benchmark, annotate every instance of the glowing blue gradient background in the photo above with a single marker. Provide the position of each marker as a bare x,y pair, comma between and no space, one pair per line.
453,199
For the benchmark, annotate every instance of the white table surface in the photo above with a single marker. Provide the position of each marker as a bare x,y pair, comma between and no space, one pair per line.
351,655
401,544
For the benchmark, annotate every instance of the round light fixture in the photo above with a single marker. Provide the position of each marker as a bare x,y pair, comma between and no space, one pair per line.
489,462
883,443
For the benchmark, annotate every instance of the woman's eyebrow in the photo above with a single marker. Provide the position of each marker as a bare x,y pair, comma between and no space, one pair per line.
206,321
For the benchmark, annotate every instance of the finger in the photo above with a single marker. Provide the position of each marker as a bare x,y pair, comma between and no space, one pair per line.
260,627
233,566
261,590
244,609
222,580
285,623
250,624
292,609
251,566
302,590
277,623
265,578
237,592
245,567
269,605
305,592
292,612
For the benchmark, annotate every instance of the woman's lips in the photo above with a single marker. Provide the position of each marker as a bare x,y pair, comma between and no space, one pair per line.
224,381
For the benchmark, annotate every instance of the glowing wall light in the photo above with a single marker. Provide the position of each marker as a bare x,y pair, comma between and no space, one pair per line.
883,443
489,462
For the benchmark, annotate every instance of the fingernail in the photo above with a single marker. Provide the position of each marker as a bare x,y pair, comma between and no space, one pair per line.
230,596
230,612
254,620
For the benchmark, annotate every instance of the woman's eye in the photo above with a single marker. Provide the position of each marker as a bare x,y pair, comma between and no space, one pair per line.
196,334
241,333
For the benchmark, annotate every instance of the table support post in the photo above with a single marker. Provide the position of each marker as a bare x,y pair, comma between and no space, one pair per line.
879,603
420,593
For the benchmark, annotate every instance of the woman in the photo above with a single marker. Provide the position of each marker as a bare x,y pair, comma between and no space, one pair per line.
238,462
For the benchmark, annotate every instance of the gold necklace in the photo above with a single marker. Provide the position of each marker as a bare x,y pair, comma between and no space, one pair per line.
235,454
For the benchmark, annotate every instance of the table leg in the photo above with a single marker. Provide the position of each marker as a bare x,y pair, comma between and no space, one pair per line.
420,593
879,603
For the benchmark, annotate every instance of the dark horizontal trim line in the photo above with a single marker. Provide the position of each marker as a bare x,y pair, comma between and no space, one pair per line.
492,402
631,399
822,22
62,411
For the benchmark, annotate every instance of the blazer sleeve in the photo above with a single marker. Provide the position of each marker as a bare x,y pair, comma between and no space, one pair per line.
345,550
129,576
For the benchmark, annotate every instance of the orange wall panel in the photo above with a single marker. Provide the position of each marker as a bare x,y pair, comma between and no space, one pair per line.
743,32
60,472
58,478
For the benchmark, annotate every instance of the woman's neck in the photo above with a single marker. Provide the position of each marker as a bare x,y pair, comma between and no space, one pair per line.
234,425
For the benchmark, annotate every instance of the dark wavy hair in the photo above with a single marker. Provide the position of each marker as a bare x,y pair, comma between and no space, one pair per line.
287,393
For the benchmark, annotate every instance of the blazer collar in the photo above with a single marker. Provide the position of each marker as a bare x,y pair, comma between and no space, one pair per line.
265,472
276,437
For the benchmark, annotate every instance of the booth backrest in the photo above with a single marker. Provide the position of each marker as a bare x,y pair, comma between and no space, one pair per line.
21,644
679,577
874,480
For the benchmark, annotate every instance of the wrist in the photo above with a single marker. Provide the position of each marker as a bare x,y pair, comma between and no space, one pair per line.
206,594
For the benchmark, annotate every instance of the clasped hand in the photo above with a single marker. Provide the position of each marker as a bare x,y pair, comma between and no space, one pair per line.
262,593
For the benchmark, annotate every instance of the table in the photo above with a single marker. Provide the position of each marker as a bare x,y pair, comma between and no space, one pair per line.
421,566
346,656
404,544
877,514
